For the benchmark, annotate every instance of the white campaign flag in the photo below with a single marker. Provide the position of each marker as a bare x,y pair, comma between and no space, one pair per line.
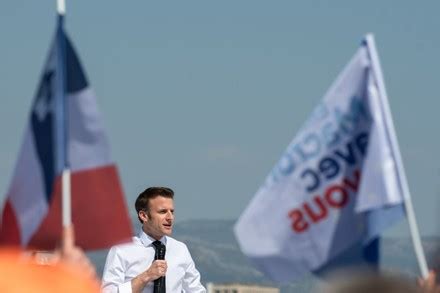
336,185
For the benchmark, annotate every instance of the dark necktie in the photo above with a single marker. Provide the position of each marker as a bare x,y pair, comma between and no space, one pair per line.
159,284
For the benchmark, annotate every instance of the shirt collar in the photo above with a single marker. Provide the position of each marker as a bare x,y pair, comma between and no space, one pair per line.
147,240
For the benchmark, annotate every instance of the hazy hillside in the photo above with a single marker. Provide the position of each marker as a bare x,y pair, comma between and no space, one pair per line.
218,258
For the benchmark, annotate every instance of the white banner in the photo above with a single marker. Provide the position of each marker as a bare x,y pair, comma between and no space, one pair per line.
336,184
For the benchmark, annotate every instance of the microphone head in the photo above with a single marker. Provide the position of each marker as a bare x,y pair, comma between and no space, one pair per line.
161,252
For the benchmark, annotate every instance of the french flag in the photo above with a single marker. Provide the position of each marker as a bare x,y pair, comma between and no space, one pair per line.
31,215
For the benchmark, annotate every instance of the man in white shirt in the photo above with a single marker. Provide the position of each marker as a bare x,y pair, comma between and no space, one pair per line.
131,267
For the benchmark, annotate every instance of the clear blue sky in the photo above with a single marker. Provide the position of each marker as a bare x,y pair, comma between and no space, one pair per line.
204,96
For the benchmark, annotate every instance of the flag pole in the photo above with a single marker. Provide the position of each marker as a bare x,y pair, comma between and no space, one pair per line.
61,7
66,207
414,231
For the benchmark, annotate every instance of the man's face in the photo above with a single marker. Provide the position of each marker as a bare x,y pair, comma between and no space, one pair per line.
158,220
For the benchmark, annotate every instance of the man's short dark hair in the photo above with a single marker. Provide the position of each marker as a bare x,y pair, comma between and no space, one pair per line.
143,199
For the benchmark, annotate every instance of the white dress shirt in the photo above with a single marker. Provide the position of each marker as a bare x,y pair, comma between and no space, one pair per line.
126,261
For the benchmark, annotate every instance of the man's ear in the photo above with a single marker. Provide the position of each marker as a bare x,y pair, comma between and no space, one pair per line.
143,215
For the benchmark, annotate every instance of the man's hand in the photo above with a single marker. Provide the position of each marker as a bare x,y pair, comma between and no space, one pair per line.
429,284
157,269
73,255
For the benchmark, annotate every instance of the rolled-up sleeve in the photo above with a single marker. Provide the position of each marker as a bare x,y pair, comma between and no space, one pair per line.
113,278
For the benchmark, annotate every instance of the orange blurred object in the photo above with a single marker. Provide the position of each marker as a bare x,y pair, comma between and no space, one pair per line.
22,273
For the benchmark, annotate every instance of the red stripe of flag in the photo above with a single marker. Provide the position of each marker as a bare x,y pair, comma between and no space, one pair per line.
98,212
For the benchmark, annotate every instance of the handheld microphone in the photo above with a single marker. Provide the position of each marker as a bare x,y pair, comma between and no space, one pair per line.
159,284
161,252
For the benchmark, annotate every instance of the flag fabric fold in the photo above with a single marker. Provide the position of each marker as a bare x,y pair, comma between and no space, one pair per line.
31,216
336,186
